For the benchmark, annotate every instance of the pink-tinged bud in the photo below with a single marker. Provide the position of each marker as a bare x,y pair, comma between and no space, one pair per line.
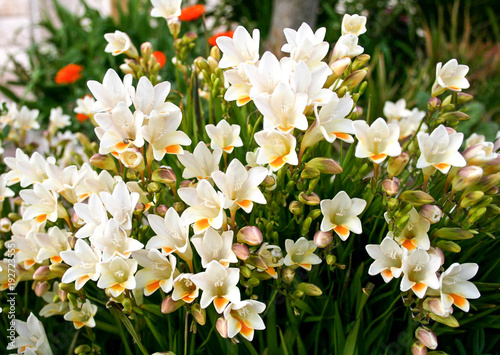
161,210
325,165
417,348
139,208
104,162
126,69
63,295
397,164
338,68
323,239
432,213
41,288
76,220
296,207
43,273
438,252
146,49
5,224
391,186
185,183
269,181
165,175
493,191
221,326
466,176
241,251
168,305
433,104
427,337
434,305
250,235
199,314
450,130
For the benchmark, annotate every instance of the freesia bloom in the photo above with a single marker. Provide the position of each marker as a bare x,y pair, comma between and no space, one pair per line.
214,246
69,74
346,46
242,48
213,40
167,9
185,289
377,141
414,234
353,24
439,150
394,111
57,119
93,214
64,181
192,13
52,244
243,318
27,170
120,204
206,206
240,186
273,256
409,125
118,43
84,108
113,241
83,315
473,139
5,192
147,98
111,91
340,214
201,163
277,149
218,285
84,263
224,136
118,275
455,287
388,259
240,85
26,119
301,253
450,76
311,82
43,204
304,44
419,270
157,272
31,338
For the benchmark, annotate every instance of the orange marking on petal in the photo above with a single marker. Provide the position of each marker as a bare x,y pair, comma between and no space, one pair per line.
243,100
174,149
188,299
378,156
458,300
306,266
271,271
343,231
220,303
115,154
120,147
56,259
419,287
224,263
245,203
152,287
245,330
29,263
117,288
84,279
167,250
148,206
41,218
454,88
441,166
342,135
408,244
78,324
387,273
277,163
229,148
202,224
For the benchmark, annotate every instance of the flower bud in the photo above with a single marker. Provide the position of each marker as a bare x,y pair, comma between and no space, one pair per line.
354,79
449,320
465,177
323,239
178,207
397,164
427,337
475,214
221,326
59,269
462,98
311,200
199,314
309,289
104,162
41,288
471,198
168,305
165,175
253,282
250,235
43,273
132,159
245,272
67,287
449,246
126,69
5,224
309,173
391,186
325,165
257,261
241,251
453,234
269,181
146,50
287,274
296,207
63,295
434,305
360,61
417,348
331,259
153,187
139,208
416,197
433,104
161,210
338,68
432,213
83,349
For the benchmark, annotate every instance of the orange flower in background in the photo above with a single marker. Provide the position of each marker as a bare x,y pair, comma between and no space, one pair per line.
82,117
160,58
192,13
69,74
212,40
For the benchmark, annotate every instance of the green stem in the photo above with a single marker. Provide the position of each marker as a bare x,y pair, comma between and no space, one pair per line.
130,328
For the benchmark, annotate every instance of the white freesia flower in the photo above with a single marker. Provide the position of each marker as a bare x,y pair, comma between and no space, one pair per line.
377,141
353,24
58,119
304,44
112,91
419,270
243,318
117,275
65,180
148,98
23,235
394,111
439,150
5,192
114,241
218,285
276,149
408,125
206,206
311,82
31,338
42,204
414,234
265,76
473,139
214,246
85,106
52,244
120,204
346,46
241,186
83,315
157,272
273,256
93,214
201,163
118,43
27,170
388,259
480,153
224,136
84,262
10,116
26,119
455,287
340,214
185,289
54,306
450,76
242,48
167,9
301,253
93,183
240,88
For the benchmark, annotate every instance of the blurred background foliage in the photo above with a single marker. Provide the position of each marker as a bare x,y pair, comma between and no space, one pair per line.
405,39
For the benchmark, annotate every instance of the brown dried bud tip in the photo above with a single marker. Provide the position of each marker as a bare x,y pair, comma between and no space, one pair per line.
250,235
323,239
391,186
241,251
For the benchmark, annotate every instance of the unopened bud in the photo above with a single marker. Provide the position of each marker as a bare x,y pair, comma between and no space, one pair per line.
338,68
466,176
215,52
417,198
311,200
67,287
43,273
462,98
59,269
257,261
309,289
161,210
178,207
417,348
360,61
427,337
354,79
471,198
325,165
309,173
455,116
133,159
269,181
199,314
397,164
241,251
5,225
296,207
250,235
449,320
165,175
153,187
391,186
139,208
323,239
331,259
221,326
245,272
453,234
63,295
83,349
126,69
449,246
433,104
287,275
168,305
146,50
73,300
104,162
434,305
432,213
41,288
253,282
